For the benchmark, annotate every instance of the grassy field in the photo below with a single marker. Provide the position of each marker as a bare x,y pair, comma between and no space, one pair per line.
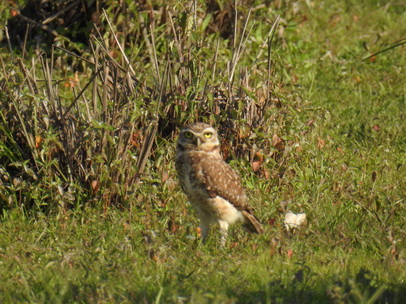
312,115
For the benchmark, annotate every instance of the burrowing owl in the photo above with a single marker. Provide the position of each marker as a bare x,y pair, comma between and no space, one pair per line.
212,187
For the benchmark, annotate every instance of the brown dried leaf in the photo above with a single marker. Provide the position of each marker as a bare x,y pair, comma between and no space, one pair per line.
243,132
233,245
259,157
274,246
320,143
271,221
225,151
373,177
136,139
165,176
311,122
172,226
278,142
256,165
72,82
14,12
95,185
299,148
38,141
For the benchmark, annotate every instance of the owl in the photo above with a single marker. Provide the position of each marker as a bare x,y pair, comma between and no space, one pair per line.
212,187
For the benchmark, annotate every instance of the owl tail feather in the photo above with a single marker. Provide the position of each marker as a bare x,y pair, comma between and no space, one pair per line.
252,223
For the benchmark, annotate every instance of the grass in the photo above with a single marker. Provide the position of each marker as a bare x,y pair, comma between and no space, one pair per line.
91,209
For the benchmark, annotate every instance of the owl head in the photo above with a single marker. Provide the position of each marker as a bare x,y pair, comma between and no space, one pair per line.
198,136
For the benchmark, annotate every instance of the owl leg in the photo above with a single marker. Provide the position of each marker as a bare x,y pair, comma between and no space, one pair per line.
223,231
204,229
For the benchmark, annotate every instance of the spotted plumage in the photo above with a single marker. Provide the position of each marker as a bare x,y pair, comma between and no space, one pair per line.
211,185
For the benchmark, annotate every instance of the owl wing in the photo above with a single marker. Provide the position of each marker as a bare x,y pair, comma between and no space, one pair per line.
219,179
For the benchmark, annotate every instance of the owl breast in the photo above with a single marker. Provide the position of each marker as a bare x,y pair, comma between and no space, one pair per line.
189,177
201,176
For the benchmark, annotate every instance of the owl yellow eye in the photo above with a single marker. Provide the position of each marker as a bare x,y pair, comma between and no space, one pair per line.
188,135
208,135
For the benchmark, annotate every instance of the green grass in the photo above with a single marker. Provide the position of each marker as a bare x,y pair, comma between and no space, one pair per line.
76,227
93,258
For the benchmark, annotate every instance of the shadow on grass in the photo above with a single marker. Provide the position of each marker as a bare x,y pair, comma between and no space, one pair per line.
324,292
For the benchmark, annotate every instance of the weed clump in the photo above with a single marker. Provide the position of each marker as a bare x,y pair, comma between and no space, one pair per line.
87,126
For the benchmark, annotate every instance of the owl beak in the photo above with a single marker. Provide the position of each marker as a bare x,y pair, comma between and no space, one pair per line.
198,142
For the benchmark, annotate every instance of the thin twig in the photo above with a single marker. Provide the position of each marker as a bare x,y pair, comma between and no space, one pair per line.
214,67
82,91
9,42
402,41
65,9
48,80
94,89
150,136
155,59
179,48
266,41
241,46
150,48
372,212
40,25
73,54
30,81
118,43
268,81
25,40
